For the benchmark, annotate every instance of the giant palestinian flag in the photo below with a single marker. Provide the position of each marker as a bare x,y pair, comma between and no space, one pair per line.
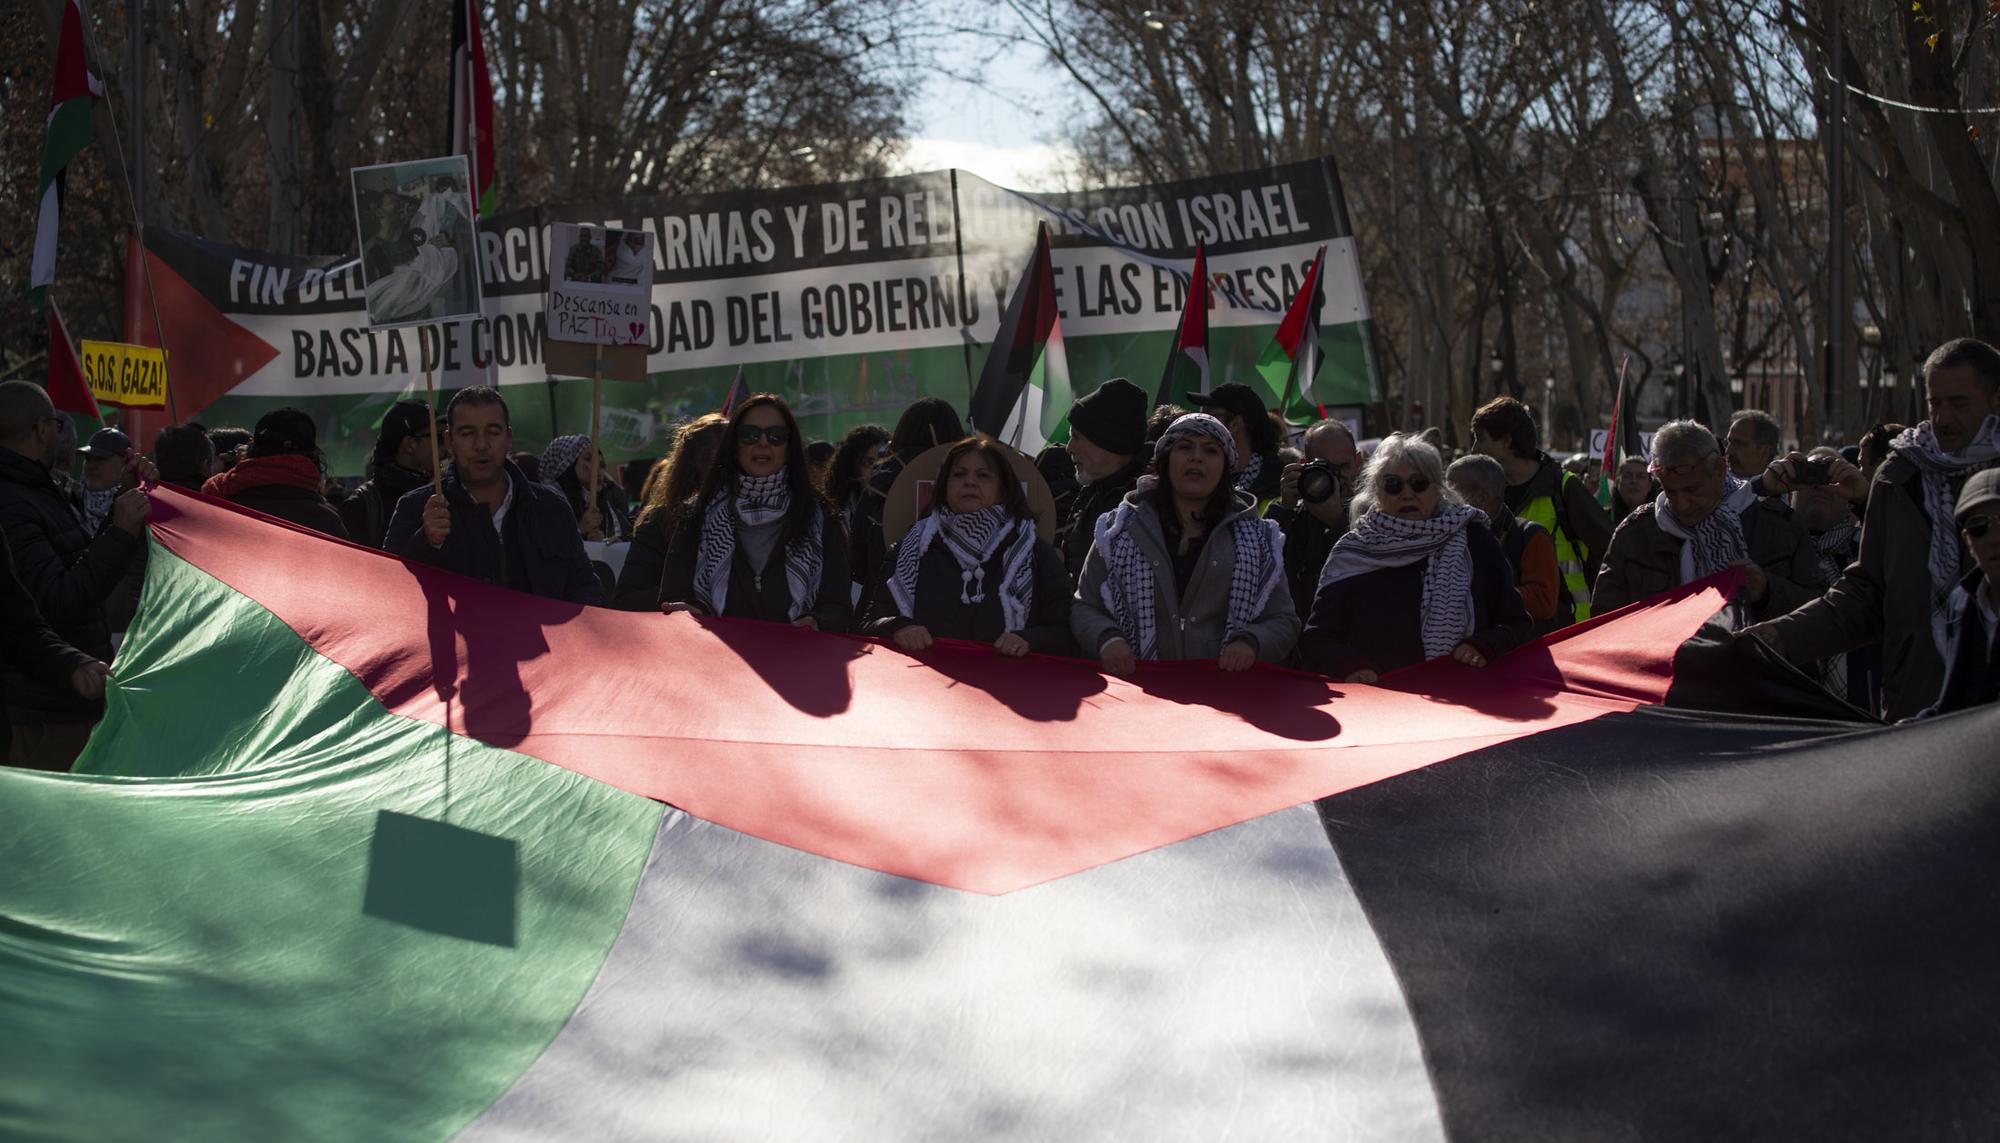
851,300
370,851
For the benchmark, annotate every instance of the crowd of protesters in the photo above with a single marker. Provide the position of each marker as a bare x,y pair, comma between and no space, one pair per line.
1155,533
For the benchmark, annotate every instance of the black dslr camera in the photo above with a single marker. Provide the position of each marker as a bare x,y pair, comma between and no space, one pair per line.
1318,482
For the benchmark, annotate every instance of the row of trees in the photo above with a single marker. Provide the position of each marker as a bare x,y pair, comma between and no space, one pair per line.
254,111
1541,188
1544,188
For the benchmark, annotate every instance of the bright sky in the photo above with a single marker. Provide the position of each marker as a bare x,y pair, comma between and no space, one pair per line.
1002,130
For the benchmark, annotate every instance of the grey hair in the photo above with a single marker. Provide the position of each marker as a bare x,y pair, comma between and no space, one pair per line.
1683,442
1397,449
1481,472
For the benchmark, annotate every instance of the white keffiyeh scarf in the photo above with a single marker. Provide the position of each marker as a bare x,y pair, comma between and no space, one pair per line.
1717,541
1380,540
1937,468
972,538
1129,588
755,500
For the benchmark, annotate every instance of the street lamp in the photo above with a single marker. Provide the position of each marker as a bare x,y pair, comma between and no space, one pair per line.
1549,407
1494,368
1674,388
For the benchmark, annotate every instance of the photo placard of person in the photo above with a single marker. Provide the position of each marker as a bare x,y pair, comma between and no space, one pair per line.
601,284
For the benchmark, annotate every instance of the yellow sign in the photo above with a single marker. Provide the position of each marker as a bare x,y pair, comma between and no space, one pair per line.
131,376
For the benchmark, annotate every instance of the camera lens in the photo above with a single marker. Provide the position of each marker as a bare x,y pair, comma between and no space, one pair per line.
1317,483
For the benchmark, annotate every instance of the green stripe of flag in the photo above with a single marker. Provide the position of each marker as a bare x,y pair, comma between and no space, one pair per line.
355,926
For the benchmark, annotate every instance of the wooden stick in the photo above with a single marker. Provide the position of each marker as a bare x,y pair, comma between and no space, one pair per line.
430,399
596,416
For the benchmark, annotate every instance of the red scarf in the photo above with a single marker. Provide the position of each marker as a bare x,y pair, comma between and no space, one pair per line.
255,472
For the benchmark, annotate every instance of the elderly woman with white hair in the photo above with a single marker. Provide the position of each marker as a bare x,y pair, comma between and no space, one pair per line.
1184,568
1706,519
1414,579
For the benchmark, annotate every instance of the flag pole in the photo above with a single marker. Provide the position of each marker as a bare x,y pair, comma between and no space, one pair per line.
138,223
596,413
430,399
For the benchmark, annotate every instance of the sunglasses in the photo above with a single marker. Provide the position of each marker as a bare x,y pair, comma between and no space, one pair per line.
1977,526
777,435
1393,484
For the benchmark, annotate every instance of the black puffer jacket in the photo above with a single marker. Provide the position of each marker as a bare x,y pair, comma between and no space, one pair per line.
535,550
366,513
68,573
1094,500
940,611
767,596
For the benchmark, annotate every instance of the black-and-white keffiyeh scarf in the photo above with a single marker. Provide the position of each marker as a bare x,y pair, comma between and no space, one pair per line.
1937,468
1129,588
1381,540
1251,472
561,456
1834,549
1717,541
97,506
972,538
755,500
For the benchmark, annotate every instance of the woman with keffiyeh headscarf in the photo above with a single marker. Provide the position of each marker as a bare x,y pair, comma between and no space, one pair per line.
570,463
1184,568
1413,579
973,568
759,543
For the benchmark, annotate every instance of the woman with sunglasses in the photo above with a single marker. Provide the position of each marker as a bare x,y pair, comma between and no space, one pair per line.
760,542
972,566
1184,568
1413,580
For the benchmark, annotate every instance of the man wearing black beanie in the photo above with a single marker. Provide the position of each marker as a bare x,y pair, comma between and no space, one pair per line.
1107,439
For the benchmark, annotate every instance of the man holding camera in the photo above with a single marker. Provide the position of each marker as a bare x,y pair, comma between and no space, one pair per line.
1898,590
1312,506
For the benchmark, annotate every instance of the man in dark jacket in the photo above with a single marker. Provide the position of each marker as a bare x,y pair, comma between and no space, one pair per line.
282,474
1539,490
1714,521
401,464
1898,588
1107,440
28,645
491,522
1972,647
68,573
1312,527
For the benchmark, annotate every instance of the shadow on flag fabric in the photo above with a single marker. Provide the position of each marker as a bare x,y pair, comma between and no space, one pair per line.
472,104
1023,395
72,94
1289,364
490,873
1187,357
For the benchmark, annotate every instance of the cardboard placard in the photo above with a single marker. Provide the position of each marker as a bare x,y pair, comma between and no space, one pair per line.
600,285
128,376
581,359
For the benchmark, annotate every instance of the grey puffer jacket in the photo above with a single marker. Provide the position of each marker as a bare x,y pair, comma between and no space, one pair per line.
1190,628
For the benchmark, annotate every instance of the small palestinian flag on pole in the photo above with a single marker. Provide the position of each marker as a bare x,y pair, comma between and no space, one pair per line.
1023,395
472,104
1614,440
736,393
71,97
1187,360
68,391
1290,362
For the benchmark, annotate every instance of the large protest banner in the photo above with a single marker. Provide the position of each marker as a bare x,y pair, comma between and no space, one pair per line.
851,300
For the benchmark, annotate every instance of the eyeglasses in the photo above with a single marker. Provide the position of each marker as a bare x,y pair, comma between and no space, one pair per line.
1977,526
1393,484
749,435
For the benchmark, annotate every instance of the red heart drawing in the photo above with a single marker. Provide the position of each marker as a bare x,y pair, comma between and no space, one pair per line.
638,330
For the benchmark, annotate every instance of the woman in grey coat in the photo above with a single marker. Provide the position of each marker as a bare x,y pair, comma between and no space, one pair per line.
1184,568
